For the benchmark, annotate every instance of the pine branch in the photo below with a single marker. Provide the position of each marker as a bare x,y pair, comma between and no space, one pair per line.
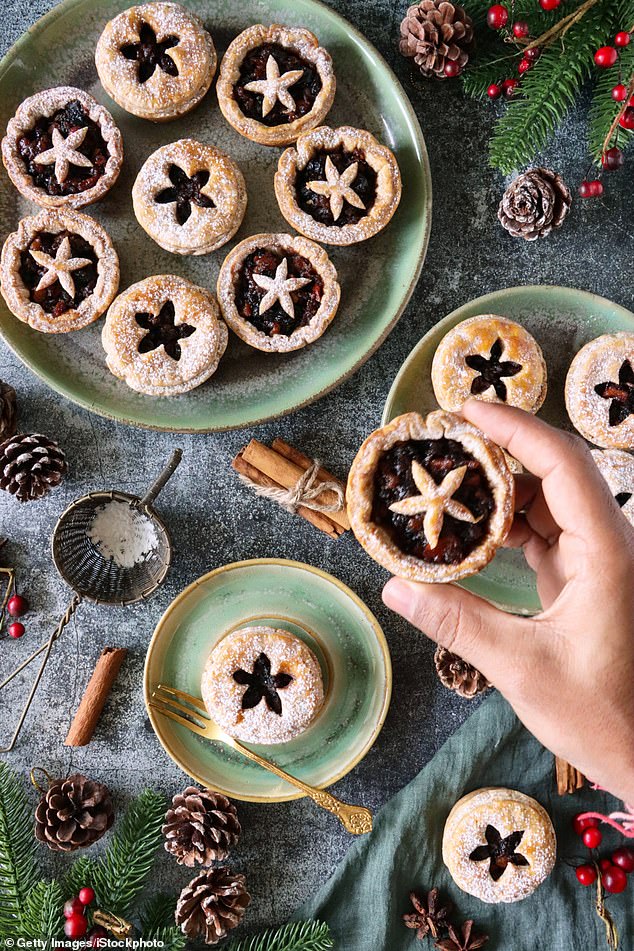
18,863
42,913
168,939
296,936
80,873
158,912
548,91
604,109
120,874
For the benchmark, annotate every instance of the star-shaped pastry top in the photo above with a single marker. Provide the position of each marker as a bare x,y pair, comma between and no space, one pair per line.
500,852
337,187
64,153
261,684
275,87
59,268
434,500
621,394
279,288
491,370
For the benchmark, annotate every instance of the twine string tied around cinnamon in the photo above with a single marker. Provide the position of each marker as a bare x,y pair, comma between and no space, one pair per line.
306,492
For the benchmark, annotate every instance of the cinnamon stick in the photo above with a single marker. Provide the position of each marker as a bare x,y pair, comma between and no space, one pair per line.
286,473
323,475
95,696
569,779
318,519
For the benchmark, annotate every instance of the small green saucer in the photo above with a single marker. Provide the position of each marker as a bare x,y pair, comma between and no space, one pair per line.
311,604
562,320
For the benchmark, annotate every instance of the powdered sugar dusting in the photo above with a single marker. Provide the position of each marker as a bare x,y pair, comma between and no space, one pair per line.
617,468
599,362
122,534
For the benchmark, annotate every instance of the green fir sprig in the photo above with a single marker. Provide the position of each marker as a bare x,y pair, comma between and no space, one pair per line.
296,936
18,862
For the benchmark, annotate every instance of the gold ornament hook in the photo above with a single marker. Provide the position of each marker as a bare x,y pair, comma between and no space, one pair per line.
33,775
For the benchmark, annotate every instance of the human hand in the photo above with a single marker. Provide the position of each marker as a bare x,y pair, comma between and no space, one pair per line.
568,672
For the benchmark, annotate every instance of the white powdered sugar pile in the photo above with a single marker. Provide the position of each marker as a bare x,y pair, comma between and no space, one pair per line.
122,534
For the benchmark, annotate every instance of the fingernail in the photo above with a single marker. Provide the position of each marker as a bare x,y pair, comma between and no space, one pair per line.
397,595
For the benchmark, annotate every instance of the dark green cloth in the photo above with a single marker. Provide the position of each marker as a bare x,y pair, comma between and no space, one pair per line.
364,900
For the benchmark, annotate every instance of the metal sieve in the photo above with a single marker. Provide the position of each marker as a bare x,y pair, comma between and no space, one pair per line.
94,577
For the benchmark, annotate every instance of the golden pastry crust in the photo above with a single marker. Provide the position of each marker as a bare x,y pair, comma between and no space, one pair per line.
153,371
507,811
361,489
44,104
17,295
302,42
206,228
283,244
325,139
162,96
617,468
301,691
454,381
606,359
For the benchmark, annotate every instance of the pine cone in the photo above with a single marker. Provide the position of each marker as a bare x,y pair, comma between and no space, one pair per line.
534,203
212,904
8,411
435,32
30,466
456,674
201,827
73,813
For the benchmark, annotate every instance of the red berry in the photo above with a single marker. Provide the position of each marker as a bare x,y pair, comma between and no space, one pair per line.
627,119
619,92
586,874
73,907
596,188
521,29
498,16
509,86
584,192
494,91
624,858
605,864
16,630
622,39
549,4
592,837
606,56
86,895
17,605
452,69
76,926
612,159
614,880
524,64
533,53
579,823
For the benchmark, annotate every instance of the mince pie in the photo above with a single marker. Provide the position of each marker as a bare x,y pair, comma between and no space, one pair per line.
164,336
275,82
156,61
277,292
338,186
499,845
430,499
62,148
600,391
190,197
262,685
617,468
493,359
60,271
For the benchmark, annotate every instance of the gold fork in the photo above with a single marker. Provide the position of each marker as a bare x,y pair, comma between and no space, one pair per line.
191,713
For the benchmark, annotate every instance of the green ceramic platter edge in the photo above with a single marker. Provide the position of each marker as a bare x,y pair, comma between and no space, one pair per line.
306,601
249,386
562,320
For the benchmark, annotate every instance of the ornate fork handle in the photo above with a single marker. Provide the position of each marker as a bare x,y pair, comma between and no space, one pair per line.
355,819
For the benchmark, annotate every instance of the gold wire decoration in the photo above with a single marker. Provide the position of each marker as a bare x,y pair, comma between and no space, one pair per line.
117,926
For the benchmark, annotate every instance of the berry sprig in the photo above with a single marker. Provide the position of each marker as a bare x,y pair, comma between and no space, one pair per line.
77,915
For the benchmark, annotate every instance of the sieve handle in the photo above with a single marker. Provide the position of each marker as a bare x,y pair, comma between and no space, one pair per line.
163,479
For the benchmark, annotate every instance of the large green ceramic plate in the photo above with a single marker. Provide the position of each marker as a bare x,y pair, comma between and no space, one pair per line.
250,386
562,320
335,623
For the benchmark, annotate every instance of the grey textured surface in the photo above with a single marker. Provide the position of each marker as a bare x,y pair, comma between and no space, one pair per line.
286,850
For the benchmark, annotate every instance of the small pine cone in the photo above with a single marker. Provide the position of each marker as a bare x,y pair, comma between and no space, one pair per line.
456,674
30,466
212,904
201,827
435,32
534,203
73,813
8,411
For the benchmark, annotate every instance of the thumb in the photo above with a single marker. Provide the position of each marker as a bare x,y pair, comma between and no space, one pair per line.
481,634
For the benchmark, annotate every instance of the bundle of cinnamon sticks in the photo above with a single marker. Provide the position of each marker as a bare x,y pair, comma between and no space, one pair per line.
281,466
